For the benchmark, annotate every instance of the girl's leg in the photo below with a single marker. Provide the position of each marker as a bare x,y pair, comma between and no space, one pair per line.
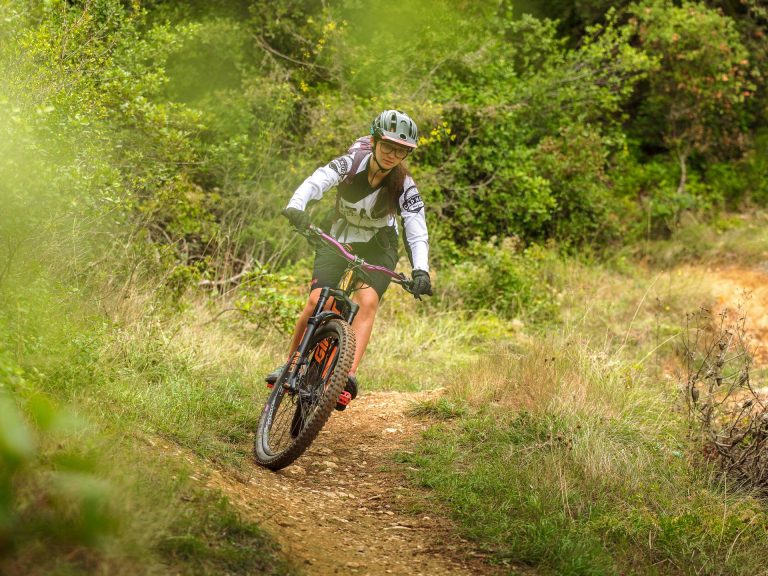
368,300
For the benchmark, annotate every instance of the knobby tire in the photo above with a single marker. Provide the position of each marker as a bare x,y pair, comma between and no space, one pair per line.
290,423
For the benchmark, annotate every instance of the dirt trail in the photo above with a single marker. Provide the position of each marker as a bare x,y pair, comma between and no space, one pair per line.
345,506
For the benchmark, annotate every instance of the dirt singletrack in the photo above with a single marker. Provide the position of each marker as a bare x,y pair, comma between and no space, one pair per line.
345,506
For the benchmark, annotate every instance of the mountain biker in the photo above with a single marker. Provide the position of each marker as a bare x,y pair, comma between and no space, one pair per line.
374,186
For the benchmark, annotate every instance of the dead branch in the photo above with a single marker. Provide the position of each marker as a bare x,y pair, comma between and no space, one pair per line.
728,414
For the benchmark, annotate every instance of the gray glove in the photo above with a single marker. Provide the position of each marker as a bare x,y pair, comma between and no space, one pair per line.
421,284
298,218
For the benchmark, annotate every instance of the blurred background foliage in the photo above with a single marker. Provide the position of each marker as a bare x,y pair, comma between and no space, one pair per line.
205,116
540,120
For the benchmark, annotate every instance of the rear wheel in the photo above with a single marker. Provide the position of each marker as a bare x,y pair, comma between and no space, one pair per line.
290,421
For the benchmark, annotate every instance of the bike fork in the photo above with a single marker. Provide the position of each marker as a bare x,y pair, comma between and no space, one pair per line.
295,363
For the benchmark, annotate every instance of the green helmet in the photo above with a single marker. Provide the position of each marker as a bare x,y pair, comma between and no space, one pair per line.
395,126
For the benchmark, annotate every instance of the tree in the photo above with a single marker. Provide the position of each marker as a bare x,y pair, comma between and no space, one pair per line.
696,95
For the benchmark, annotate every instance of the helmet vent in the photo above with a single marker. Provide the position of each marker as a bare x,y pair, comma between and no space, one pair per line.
395,125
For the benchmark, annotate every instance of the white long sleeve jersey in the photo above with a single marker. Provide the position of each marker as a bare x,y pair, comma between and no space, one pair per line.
356,204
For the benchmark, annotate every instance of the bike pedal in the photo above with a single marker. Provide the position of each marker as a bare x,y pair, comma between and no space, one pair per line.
270,385
344,399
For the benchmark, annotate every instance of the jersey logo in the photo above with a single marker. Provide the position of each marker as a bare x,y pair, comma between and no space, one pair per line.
412,201
340,165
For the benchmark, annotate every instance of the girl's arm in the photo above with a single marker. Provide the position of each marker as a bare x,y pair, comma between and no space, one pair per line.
414,226
321,180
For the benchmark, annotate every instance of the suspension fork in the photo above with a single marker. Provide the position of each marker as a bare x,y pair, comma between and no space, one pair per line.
338,295
298,358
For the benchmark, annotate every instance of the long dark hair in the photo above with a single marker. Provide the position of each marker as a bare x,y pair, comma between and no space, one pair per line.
392,187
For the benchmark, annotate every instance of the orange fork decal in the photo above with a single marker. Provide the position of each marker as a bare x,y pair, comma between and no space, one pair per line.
329,362
322,348
333,306
294,359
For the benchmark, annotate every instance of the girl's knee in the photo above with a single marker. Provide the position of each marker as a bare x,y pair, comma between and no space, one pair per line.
314,296
368,300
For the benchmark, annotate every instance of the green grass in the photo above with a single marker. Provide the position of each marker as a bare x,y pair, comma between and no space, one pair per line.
198,387
568,450
439,409
88,494
577,467
415,343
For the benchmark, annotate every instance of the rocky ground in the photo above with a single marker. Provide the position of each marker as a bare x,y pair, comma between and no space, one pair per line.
345,506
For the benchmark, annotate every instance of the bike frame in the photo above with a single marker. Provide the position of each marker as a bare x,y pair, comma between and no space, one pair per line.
341,295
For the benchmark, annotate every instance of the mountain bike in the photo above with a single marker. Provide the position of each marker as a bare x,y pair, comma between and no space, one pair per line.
306,392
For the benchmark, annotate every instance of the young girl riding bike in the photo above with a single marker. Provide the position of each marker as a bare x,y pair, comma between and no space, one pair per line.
374,186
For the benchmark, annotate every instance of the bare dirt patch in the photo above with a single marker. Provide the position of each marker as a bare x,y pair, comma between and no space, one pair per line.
745,291
346,507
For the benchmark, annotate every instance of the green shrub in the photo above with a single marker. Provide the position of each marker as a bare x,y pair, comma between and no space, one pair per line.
657,206
574,163
728,182
50,498
505,278
756,167
270,300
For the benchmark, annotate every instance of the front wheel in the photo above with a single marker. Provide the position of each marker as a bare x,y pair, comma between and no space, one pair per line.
290,421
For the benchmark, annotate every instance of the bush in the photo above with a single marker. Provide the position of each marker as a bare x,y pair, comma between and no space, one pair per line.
268,299
502,277
50,499
725,406
574,163
656,205
756,167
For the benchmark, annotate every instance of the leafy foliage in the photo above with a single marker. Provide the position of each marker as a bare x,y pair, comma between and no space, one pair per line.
502,277
197,121
696,95
55,499
269,300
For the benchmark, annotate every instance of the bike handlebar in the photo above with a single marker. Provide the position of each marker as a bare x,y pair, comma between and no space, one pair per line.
397,278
